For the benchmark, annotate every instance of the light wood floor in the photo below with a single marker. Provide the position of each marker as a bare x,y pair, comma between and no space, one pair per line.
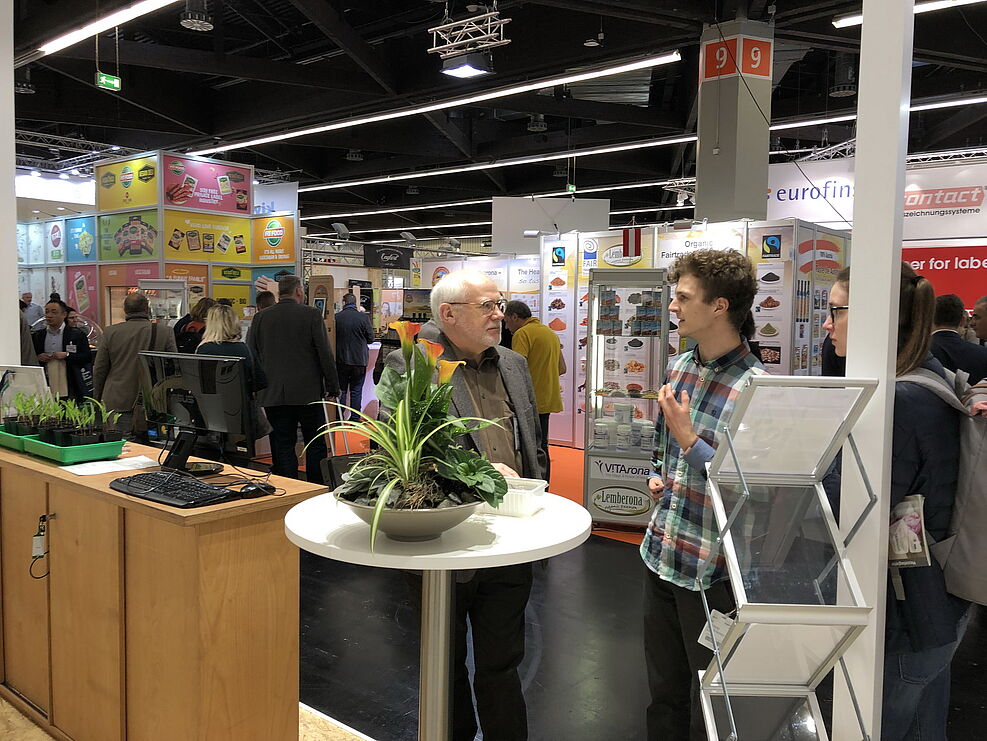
15,727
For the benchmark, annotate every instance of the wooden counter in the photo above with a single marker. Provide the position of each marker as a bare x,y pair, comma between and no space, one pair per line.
153,623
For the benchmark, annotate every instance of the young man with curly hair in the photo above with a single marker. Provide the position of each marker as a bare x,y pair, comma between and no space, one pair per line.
712,302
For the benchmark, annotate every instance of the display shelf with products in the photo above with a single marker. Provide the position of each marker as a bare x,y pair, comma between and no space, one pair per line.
626,356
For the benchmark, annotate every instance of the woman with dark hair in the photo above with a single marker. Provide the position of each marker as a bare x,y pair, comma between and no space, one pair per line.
924,622
190,328
64,353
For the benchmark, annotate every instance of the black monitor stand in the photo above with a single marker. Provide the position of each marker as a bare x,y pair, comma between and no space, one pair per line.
179,453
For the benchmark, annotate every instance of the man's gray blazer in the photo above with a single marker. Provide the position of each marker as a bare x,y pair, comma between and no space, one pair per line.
290,342
517,381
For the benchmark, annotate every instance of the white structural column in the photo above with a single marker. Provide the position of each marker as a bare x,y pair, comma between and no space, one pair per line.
9,317
882,138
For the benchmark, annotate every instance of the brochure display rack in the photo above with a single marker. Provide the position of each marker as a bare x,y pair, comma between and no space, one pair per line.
799,607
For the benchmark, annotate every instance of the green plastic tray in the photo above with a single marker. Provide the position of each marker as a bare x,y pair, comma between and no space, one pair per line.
14,442
73,453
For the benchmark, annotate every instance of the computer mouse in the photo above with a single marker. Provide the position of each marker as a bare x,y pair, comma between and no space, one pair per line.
257,489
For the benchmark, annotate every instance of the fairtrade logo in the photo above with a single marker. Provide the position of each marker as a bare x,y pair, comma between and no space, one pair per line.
558,255
145,174
108,180
56,236
771,246
273,232
231,273
971,196
126,176
177,167
616,500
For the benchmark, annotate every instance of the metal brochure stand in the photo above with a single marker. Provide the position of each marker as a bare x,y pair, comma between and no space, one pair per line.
799,607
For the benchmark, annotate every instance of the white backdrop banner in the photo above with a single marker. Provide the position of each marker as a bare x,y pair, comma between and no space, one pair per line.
940,202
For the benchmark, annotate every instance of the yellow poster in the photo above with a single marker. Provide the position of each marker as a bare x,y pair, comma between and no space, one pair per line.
274,239
127,184
237,293
206,237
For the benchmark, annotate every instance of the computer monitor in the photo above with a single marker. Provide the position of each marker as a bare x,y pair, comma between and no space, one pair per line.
197,394
15,379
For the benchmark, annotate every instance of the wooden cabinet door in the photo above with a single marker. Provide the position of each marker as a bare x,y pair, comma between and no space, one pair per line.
25,599
87,639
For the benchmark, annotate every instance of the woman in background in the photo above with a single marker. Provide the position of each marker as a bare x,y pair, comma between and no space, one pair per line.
924,622
222,337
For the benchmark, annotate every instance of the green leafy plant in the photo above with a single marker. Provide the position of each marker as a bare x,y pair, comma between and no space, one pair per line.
417,462
107,417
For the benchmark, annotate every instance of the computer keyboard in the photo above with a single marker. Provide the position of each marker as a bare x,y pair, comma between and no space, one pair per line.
174,489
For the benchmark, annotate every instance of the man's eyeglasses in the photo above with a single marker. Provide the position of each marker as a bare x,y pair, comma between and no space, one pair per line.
488,307
834,309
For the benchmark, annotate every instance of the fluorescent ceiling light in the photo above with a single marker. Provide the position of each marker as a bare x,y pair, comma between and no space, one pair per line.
948,104
424,226
400,209
527,87
117,18
813,122
428,239
505,163
857,18
646,210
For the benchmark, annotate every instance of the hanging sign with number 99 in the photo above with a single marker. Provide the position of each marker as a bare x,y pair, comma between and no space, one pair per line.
721,58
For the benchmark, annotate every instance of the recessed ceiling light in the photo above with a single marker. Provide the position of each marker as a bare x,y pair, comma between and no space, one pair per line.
59,208
35,211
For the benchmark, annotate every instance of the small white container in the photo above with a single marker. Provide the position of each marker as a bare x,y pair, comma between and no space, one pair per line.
523,498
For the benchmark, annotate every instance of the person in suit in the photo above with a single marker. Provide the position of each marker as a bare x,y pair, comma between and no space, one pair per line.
353,334
290,343
494,383
64,353
949,347
116,371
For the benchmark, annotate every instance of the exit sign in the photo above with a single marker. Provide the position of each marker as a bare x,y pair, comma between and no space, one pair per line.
108,82
571,188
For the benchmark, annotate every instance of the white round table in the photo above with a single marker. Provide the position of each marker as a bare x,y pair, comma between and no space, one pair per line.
326,528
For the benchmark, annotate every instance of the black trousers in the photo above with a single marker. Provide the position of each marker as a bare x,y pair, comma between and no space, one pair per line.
543,419
673,620
285,420
493,602
351,379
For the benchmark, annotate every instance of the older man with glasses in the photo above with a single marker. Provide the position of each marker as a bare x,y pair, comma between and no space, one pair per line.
494,383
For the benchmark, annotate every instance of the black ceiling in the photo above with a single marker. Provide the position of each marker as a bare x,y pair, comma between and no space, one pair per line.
271,65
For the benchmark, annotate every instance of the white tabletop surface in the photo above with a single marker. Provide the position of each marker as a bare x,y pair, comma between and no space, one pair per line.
322,526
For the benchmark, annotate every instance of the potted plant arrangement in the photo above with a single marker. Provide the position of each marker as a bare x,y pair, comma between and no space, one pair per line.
28,410
417,481
56,421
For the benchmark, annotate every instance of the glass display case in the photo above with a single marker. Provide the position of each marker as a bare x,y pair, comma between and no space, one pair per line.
627,352
799,607
168,298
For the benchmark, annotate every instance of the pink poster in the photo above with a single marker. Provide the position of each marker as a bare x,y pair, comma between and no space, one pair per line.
81,290
142,271
210,186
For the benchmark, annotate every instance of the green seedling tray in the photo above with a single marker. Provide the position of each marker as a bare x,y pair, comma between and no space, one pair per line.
15,442
73,453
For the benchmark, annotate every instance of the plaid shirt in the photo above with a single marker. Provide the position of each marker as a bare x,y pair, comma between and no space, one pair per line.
683,526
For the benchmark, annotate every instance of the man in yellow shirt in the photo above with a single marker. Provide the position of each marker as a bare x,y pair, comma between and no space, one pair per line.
541,348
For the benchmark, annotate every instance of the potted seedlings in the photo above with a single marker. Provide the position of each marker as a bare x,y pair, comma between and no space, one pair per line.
106,419
85,432
52,421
